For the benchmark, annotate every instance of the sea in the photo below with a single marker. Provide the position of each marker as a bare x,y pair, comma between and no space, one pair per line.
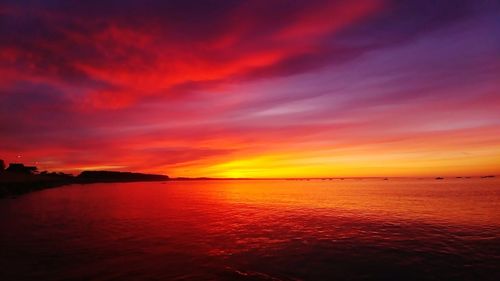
317,229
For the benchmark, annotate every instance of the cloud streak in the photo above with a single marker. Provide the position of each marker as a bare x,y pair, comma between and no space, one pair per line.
190,88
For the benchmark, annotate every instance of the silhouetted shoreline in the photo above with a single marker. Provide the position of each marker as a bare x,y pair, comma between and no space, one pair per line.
18,179
39,182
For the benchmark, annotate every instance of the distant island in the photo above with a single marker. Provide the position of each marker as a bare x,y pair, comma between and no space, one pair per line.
18,179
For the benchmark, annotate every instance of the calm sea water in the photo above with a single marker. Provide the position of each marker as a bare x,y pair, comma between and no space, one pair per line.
367,229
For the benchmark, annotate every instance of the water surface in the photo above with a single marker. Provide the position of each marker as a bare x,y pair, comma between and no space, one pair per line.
368,229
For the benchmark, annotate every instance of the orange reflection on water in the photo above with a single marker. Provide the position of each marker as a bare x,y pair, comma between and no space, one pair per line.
469,201
226,229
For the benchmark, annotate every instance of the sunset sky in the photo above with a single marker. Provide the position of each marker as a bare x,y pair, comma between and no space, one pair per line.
258,88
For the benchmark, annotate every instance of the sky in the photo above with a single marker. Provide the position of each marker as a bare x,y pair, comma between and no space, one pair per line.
262,88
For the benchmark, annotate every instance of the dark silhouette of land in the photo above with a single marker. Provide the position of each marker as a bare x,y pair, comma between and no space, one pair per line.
18,179
112,176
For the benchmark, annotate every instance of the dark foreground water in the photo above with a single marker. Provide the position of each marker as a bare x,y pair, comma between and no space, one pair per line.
255,230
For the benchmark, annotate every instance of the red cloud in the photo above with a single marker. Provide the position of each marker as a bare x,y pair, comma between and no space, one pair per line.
118,63
179,88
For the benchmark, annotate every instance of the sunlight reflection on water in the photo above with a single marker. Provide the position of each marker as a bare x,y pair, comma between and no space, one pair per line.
255,230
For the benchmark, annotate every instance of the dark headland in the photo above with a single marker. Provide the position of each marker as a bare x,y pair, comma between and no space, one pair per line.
18,179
